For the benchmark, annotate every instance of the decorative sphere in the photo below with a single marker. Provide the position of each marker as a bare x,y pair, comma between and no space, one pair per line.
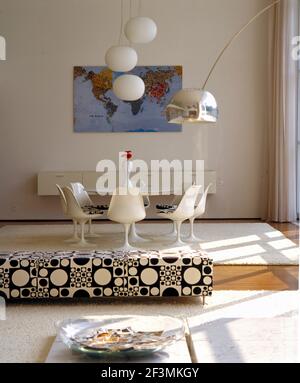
129,87
140,30
121,58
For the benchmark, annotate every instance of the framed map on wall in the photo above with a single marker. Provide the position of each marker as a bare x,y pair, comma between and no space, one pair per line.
97,109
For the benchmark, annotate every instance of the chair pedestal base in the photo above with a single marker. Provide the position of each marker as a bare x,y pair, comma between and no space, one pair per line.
178,241
90,233
134,237
193,239
72,240
173,233
178,244
127,246
75,237
85,244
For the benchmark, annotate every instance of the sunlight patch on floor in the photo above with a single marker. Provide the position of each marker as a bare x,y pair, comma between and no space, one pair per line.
281,244
273,234
243,251
229,242
295,251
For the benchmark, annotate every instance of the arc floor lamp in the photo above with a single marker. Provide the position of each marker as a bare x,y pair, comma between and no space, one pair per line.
199,105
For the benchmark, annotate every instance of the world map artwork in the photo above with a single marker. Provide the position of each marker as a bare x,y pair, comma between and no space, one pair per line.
97,109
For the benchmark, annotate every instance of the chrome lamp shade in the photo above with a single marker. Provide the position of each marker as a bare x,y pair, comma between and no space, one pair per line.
192,106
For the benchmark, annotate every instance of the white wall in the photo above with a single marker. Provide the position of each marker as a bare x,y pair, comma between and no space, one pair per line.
46,38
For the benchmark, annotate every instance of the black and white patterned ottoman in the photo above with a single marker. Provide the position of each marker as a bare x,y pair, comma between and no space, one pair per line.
31,275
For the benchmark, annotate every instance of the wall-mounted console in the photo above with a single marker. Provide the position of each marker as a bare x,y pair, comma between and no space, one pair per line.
47,180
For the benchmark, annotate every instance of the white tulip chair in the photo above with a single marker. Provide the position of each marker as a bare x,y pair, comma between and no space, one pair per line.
64,206
84,201
199,211
126,207
77,213
184,211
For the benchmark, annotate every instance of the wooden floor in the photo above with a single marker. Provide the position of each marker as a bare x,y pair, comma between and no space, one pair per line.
249,277
256,277
261,277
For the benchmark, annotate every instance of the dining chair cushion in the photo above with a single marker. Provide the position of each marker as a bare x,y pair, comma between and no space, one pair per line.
166,208
92,210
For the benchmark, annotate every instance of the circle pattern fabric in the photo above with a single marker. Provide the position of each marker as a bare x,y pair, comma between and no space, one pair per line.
32,275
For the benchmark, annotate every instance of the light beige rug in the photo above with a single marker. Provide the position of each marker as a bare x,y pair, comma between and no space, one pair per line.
226,243
29,330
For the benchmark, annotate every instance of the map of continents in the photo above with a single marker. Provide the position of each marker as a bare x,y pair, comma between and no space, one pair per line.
97,109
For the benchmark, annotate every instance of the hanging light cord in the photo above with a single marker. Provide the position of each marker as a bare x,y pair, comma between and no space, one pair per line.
234,37
122,22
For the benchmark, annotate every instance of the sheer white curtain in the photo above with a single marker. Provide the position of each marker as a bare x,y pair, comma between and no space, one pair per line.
280,198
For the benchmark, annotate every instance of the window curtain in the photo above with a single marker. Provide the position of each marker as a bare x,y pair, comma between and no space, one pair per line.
280,190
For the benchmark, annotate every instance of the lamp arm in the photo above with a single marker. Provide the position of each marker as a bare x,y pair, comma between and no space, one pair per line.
235,36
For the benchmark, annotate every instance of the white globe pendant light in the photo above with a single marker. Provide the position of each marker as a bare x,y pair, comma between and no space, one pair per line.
121,58
140,30
129,87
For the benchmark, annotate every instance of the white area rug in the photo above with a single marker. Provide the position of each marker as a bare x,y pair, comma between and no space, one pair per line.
28,332
226,243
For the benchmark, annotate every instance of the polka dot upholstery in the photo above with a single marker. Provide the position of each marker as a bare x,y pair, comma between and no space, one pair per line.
61,274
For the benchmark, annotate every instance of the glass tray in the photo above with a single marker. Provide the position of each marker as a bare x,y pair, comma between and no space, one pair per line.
120,335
